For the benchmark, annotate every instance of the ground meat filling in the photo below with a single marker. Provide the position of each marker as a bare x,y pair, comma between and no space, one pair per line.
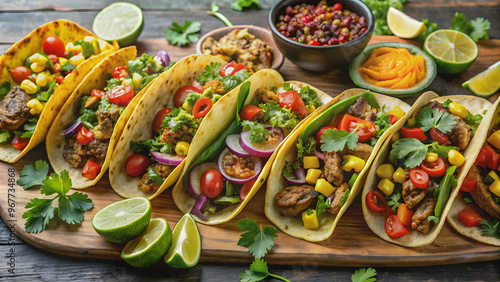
216,85
336,201
419,220
77,154
361,109
13,109
266,96
294,200
483,197
107,121
183,133
149,186
460,134
333,168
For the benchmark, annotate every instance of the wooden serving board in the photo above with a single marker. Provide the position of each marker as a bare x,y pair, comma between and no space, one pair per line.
352,243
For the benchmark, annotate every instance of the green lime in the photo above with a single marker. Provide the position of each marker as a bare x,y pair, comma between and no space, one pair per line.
119,21
486,83
123,220
150,246
453,51
186,244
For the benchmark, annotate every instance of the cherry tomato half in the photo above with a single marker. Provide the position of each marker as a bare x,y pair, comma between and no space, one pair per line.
469,216
54,45
20,143
56,68
245,189
181,94
20,73
366,129
469,183
91,169
97,93
291,100
434,169
419,178
320,133
439,136
160,116
394,228
53,59
232,68
249,111
414,132
120,72
84,136
137,164
121,95
202,107
375,201
211,183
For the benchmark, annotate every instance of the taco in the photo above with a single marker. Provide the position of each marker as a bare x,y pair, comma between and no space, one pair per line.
221,178
87,128
407,192
38,74
475,212
352,127
150,154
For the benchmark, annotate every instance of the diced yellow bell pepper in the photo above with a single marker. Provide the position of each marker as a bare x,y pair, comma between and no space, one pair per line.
311,162
182,148
313,175
395,137
28,86
36,67
431,157
495,188
35,106
386,186
494,139
310,219
385,171
353,162
458,110
397,111
76,60
323,187
137,81
399,175
39,59
455,158
411,121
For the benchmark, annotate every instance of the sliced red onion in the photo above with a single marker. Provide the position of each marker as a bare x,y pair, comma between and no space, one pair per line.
165,59
331,197
319,154
198,207
195,176
256,160
265,149
233,144
167,159
300,177
73,129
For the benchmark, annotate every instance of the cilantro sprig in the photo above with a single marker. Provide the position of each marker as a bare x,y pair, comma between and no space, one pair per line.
364,275
239,5
322,205
490,228
414,151
258,271
33,175
182,35
334,140
435,118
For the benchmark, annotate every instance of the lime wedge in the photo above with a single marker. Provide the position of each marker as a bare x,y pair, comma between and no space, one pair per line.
486,83
150,246
453,51
119,21
403,25
186,244
123,220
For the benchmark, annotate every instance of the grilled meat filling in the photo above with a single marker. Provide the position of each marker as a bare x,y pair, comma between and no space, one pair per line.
483,197
293,200
13,109
149,186
361,109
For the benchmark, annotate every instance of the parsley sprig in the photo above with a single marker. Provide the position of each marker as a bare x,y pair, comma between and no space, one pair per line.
435,118
364,275
33,175
182,35
334,140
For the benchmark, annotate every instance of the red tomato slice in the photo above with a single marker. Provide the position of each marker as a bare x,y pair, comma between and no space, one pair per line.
393,119
238,68
20,143
97,93
469,216
245,189
394,228
137,164
249,111
405,214
120,72
415,132
20,73
91,169
202,107
495,160
434,169
121,95
160,116
469,183
291,100
197,85
366,129
320,133
211,183
419,178
439,136
232,68
181,94
54,45
84,136
375,201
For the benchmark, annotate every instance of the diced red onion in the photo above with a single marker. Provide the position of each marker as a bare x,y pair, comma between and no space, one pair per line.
256,160
73,129
300,177
195,176
265,149
233,144
198,207
165,59
319,154
167,159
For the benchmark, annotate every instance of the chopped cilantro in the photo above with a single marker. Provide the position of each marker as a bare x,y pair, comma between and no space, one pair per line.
428,118
45,95
178,117
4,136
105,105
396,198
231,81
490,228
28,128
322,205
182,35
289,170
345,197
112,83
4,88
88,48
476,29
304,148
145,147
335,140
258,271
279,116
258,133
383,122
259,239
33,175
473,121
211,72
67,66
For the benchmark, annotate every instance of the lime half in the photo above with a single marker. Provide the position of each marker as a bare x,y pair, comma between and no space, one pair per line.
453,51
150,246
186,244
486,83
403,25
119,21
123,220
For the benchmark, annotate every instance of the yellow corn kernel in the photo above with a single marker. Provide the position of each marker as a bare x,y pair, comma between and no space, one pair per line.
137,81
62,61
76,60
353,162
455,158
78,49
458,110
395,137
311,162
36,67
69,47
386,186
42,79
397,111
182,148
431,157
312,175
385,171
322,186
35,106
127,81
310,109
411,121
310,219
39,59
399,175
494,139
495,188
28,86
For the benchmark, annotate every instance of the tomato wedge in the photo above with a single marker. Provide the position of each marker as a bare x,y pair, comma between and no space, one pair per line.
366,129
469,183
232,68
121,95
291,100
419,178
20,143
375,201
414,132
160,116
211,183
469,215
439,136
91,169
84,136
202,107
394,228
249,111
137,164
405,214
320,133
120,72
181,94
434,169
97,93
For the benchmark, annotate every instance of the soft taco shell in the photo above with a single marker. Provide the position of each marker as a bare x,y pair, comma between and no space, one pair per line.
375,220
94,80
16,55
490,121
262,79
293,226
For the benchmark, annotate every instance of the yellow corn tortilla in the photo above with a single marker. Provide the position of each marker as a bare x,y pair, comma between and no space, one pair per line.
262,79
490,121
376,221
16,55
94,80
294,226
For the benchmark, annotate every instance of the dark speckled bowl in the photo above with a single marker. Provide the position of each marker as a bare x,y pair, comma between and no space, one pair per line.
321,58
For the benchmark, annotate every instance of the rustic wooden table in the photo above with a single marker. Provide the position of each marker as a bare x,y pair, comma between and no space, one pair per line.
17,18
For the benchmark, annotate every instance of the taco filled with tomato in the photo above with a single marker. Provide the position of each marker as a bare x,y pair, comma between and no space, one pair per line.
415,176
321,167
38,74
